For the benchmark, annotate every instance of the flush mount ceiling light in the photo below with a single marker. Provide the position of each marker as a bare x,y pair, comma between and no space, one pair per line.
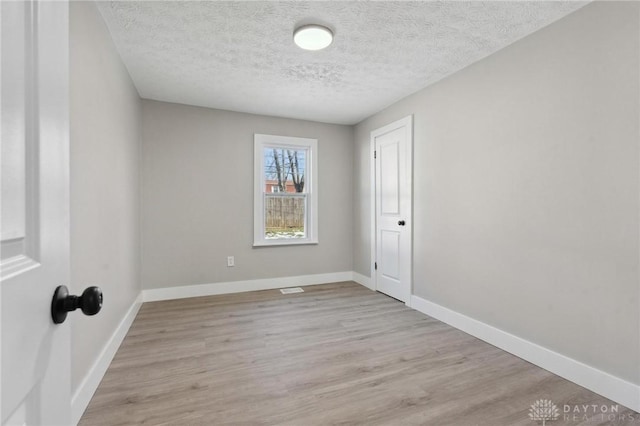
312,37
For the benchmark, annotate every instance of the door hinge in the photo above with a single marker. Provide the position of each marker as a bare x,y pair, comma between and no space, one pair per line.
375,265
375,153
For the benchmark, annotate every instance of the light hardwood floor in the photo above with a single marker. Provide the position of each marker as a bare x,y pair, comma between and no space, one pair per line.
336,354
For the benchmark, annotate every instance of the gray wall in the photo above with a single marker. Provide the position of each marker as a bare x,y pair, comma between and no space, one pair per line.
197,197
526,188
105,153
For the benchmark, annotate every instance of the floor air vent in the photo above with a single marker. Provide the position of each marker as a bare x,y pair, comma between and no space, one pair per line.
291,290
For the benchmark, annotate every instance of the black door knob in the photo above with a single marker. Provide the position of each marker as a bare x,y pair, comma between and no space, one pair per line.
90,303
401,222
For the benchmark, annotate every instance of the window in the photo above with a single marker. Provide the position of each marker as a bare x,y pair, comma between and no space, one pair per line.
285,190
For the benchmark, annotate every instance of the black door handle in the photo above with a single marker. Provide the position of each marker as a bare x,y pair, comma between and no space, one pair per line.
401,222
90,303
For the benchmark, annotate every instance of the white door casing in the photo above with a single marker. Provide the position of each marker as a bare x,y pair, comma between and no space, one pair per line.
392,223
34,230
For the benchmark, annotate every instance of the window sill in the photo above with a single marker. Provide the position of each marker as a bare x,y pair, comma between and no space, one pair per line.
284,243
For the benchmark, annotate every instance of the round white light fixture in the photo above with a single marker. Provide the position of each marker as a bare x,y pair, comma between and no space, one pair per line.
312,37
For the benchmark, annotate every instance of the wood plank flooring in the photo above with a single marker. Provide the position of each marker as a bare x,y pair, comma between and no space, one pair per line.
335,354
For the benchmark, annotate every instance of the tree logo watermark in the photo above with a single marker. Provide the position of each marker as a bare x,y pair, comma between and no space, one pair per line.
543,410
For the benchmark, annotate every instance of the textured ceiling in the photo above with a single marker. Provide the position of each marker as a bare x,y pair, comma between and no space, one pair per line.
240,55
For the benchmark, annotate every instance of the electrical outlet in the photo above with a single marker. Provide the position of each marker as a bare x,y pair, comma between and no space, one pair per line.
231,261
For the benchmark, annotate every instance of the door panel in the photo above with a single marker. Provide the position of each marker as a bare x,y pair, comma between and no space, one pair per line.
34,230
389,253
15,180
393,189
390,181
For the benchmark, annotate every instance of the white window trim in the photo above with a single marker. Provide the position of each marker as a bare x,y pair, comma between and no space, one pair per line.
311,188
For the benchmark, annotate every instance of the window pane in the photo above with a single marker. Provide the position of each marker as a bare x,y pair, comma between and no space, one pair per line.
284,216
284,169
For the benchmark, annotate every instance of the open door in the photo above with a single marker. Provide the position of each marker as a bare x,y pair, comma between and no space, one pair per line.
392,219
34,229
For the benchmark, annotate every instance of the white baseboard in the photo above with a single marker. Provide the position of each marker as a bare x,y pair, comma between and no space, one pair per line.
363,280
87,388
181,292
605,384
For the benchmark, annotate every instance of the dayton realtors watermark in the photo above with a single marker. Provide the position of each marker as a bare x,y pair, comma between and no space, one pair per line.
545,410
597,412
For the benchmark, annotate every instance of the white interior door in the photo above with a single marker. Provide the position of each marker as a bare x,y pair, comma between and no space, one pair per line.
34,232
392,166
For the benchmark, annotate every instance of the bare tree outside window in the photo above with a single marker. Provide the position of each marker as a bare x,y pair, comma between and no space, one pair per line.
285,168
296,175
